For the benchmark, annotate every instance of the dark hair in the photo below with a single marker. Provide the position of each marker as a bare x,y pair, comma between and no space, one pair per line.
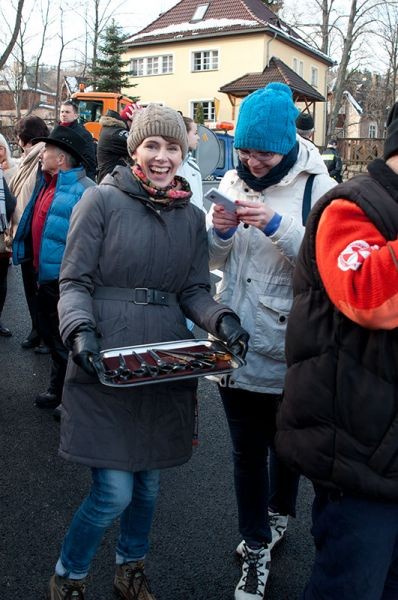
31,127
71,102
188,123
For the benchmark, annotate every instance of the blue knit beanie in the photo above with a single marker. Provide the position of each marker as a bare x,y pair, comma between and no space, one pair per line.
267,120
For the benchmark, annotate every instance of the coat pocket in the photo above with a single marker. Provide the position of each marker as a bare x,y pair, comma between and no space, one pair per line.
270,326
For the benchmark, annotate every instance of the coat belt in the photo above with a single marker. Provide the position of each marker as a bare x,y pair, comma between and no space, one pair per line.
138,295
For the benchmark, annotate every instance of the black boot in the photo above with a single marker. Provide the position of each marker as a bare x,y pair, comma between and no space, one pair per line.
32,340
47,400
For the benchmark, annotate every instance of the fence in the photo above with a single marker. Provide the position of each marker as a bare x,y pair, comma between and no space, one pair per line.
357,153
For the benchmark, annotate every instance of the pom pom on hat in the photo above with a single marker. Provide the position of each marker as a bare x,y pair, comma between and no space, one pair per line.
156,120
305,122
267,120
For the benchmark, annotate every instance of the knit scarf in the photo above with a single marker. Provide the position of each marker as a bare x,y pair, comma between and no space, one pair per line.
274,175
177,190
3,213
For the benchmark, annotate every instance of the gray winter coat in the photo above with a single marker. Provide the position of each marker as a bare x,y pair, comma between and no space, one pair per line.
119,238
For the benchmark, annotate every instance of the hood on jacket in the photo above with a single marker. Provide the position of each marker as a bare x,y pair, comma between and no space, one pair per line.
309,160
112,119
122,178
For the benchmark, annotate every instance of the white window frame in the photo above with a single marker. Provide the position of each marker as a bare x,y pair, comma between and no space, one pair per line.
200,12
209,109
148,66
298,66
372,131
314,76
205,57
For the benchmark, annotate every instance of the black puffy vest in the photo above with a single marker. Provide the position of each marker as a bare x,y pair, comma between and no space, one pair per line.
338,422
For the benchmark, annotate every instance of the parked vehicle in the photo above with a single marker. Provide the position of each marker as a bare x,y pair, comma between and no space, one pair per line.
92,105
215,154
228,157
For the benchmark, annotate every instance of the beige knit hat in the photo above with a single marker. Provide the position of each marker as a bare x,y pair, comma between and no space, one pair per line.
157,120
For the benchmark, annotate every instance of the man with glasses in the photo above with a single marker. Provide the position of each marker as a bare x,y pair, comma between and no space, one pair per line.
68,117
256,248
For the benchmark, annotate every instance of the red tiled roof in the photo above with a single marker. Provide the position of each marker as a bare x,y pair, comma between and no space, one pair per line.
221,17
276,70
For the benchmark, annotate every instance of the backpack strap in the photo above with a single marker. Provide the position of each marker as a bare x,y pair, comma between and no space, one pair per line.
307,198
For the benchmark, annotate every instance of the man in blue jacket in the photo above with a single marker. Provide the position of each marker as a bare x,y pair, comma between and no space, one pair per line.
41,236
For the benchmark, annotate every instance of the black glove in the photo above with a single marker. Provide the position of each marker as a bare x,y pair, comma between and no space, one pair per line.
84,342
229,331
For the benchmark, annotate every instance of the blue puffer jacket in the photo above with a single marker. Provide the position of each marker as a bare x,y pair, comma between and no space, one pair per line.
68,191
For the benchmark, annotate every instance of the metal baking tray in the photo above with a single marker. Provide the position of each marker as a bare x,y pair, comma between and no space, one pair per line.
131,366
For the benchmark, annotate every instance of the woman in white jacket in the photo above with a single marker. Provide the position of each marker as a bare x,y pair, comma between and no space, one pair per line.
256,247
189,168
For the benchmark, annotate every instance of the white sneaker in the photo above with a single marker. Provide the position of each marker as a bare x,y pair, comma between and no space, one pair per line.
255,571
278,524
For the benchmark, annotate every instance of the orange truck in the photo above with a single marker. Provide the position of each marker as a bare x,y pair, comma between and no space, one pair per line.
92,105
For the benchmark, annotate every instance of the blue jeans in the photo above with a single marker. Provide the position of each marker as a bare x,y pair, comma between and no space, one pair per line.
258,486
132,496
356,549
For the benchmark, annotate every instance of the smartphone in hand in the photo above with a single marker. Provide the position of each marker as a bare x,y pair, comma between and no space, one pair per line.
217,197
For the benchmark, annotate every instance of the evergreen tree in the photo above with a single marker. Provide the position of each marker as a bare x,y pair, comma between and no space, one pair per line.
199,114
108,74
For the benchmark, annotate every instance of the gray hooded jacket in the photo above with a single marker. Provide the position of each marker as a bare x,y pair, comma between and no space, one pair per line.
119,238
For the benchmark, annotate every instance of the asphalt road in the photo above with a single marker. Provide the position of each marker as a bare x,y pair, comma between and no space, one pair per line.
195,529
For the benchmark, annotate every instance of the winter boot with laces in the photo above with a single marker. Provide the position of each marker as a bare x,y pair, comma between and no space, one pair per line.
131,583
61,588
255,570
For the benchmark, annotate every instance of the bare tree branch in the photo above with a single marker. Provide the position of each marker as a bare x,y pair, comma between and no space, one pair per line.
14,36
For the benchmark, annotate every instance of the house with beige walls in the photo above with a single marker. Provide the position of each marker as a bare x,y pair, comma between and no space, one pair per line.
189,53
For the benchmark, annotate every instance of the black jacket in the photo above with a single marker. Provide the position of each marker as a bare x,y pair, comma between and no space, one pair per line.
333,163
89,153
10,199
338,422
112,144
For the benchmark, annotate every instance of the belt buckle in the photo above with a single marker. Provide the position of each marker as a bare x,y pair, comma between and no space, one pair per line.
143,289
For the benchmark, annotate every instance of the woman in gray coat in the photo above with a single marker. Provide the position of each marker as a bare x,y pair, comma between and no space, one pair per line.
135,266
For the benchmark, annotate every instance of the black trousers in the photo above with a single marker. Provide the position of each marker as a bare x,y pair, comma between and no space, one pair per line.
29,279
260,483
48,328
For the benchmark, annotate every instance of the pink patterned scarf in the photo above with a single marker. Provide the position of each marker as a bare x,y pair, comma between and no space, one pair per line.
178,189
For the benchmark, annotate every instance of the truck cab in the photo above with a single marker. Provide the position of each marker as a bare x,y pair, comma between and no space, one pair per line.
93,105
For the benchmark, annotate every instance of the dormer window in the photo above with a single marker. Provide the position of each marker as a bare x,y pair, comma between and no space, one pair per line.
200,12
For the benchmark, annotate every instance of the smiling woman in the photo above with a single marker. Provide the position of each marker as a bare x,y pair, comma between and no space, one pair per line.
135,232
159,158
